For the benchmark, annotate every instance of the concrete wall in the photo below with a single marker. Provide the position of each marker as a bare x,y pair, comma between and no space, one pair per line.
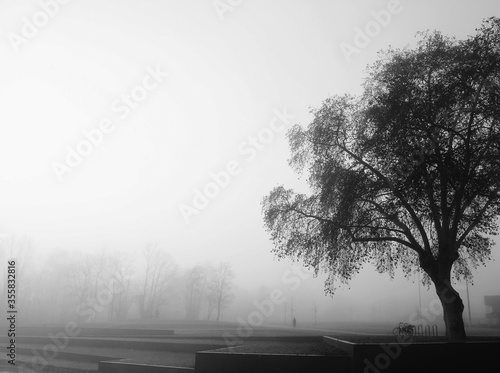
121,367
217,362
441,357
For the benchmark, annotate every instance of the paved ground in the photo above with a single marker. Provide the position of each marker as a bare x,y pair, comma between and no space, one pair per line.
205,332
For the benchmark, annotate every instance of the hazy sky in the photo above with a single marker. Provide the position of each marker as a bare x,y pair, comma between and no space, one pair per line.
183,89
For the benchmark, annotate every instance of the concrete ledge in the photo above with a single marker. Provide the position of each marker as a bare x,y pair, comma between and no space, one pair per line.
286,338
126,343
409,357
339,343
221,362
24,366
67,355
55,369
124,367
95,332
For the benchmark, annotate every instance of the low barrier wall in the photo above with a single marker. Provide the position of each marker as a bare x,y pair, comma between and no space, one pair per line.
124,367
220,362
469,356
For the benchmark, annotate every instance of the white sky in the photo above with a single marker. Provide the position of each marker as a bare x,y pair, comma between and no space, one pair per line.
226,78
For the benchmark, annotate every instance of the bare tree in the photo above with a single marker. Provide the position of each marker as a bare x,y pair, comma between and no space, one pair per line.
196,290
220,287
87,277
209,296
121,272
80,278
51,298
159,280
99,277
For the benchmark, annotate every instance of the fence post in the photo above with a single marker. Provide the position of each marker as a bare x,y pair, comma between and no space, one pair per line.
427,330
435,329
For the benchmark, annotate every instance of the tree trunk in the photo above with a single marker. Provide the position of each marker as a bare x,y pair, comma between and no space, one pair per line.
209,310
453,308
219,306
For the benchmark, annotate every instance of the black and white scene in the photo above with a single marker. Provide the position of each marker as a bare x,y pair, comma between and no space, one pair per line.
220,186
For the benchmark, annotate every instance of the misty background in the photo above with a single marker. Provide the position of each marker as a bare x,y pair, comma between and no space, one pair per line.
220,78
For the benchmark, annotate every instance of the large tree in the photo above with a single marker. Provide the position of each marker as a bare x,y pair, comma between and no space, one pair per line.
405,175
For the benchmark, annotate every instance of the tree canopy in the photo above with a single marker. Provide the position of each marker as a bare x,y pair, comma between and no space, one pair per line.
406,174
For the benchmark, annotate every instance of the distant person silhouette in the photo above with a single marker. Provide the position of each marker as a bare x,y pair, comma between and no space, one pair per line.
294,322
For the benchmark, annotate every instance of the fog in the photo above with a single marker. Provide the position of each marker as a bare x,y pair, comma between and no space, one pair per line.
127,125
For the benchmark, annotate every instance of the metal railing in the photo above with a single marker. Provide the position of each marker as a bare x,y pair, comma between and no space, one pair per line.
427,330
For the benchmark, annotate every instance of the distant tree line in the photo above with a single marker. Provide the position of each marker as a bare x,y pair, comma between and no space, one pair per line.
114,285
